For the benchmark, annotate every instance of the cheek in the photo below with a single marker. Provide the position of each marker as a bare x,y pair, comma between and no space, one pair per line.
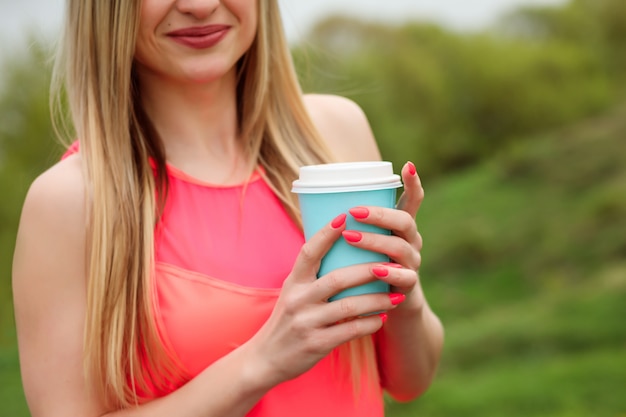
251,24
152,14
247,11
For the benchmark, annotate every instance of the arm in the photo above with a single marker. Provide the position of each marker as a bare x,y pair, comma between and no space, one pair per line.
411,342
50,303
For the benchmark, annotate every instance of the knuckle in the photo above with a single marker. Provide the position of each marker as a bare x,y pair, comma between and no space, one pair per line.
419,193
408,222
419,241
307,253
411,277
418,261
353,329
332,282
348,307
401,251
300,325
327,232
291,303
378,215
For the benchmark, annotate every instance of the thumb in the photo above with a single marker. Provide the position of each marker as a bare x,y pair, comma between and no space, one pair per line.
413,194
308,261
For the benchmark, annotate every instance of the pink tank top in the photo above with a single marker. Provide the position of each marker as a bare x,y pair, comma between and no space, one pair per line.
222,254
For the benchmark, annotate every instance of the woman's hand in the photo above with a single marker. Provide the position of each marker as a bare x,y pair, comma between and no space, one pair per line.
403,246
409,346
304,327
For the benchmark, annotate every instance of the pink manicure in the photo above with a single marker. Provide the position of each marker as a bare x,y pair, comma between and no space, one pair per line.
396,298
412,169
359,212
383,317
380,271
339,221
352,236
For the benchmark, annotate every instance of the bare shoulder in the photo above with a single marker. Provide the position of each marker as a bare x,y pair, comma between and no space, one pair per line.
53,221
344,125
49,292
52,227
59,191
65,176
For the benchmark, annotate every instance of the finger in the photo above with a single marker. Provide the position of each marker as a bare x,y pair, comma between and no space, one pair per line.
353,329
308,260
394,247
341,279
358,306
413,194
399,222
399,278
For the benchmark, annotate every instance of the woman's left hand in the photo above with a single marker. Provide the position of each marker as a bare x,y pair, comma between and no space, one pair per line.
403,246
410,344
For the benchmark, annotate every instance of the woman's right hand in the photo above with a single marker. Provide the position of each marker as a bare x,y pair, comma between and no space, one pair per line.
304,327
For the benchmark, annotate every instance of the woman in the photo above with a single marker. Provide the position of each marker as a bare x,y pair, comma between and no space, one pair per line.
160,270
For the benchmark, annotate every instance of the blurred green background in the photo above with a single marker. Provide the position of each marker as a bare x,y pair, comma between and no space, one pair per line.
518,135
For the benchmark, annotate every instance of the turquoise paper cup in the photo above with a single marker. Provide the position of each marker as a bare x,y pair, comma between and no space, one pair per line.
326,191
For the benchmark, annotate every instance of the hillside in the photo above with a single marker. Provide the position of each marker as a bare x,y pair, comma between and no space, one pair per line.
525,261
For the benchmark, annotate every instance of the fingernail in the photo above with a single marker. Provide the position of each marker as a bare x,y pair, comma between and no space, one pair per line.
380,271
359,212
412,169
393,265
396,298
339,221
352,236
383,317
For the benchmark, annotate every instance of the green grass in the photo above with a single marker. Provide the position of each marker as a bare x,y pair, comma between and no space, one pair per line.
525,261
551,355
11,393
563,385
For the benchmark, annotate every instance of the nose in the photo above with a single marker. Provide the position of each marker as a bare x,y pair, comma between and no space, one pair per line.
200,9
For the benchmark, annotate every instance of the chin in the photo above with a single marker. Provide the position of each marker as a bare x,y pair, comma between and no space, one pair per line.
204,75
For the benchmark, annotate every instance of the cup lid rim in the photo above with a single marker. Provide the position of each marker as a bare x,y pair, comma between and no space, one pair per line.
392,181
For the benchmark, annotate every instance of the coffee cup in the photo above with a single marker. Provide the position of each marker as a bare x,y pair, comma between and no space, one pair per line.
325,191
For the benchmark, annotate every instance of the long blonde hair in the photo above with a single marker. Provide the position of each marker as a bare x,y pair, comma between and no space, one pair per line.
124,353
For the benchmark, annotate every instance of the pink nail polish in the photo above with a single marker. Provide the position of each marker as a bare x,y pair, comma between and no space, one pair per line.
359,212
339,221
383,317
412,169
396,298
380,271
352,236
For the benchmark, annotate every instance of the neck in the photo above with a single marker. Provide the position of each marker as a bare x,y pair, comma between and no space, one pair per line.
198,126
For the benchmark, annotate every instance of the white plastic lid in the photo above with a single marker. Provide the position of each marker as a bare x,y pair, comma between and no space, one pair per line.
345,177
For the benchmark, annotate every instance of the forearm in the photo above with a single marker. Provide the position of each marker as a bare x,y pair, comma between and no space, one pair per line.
410,346
230,388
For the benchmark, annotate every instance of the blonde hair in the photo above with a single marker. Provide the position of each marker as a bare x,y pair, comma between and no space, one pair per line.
124,353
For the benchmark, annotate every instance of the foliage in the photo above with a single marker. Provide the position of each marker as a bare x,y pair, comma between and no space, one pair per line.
599,25
524,261
27,147
447,101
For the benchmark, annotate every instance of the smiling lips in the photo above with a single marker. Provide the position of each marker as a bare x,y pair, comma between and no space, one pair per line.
200,37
